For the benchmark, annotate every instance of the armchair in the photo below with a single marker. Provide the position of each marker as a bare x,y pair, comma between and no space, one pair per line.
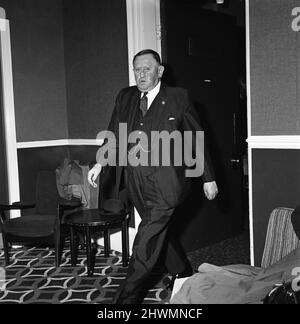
243,283
45,224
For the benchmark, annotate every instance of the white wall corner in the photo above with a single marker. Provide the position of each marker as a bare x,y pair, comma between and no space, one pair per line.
248,82
2,19
9,115
2,13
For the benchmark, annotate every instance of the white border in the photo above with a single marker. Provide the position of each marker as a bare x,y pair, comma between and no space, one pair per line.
60,142
274,142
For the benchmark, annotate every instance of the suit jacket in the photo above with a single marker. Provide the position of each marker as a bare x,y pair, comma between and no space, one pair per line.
173,111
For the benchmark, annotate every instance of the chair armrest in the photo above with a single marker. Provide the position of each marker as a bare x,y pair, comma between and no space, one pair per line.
17,205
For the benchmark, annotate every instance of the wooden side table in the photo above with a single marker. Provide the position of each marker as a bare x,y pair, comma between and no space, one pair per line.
90,220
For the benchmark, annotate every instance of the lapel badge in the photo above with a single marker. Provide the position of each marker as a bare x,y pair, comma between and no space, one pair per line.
163,102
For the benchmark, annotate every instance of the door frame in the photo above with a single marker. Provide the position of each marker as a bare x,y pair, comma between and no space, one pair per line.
9,112
143,29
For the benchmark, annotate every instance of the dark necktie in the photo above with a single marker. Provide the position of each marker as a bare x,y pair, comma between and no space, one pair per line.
144,103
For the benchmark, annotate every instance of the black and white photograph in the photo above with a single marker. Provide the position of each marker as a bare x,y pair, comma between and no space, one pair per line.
149,156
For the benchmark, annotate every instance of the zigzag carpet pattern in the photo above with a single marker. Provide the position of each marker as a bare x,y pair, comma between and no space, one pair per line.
32,278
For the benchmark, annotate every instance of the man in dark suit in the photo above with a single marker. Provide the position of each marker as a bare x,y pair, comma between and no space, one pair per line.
155,189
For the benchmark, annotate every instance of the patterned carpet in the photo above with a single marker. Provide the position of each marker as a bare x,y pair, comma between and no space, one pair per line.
31,278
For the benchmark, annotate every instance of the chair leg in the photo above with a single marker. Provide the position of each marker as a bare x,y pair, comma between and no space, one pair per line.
73,246
57,257
81,240
125,247
60,242
89,261
57,250
106,243
6,249
93,256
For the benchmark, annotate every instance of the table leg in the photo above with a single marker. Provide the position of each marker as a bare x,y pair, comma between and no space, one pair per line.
106,243
88,251
125,242
73,246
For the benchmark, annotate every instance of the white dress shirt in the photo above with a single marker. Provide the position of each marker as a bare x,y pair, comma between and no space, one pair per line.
152,94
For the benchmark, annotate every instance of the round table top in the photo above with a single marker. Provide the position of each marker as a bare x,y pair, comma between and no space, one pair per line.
93,217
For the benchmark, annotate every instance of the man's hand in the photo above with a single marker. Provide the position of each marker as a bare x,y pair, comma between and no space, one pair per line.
210,190
93,174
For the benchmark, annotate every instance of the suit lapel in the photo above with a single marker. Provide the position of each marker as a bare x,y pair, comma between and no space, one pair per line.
160,106
127,115
132,108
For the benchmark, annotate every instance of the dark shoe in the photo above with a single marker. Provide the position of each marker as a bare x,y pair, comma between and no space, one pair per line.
186,273
170,285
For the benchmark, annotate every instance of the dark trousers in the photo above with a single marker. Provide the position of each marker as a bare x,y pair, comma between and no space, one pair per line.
152,240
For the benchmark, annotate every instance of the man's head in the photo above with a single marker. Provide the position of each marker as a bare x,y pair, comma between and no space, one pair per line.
147,69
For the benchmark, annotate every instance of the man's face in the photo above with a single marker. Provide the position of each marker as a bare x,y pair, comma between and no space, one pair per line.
147,72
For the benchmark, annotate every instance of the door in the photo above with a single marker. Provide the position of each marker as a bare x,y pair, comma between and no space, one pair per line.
199,48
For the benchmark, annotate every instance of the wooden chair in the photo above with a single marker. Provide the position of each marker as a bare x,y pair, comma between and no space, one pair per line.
45,225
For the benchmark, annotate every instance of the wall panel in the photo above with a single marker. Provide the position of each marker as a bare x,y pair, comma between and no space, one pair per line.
274,59
38,68
276,183
95,34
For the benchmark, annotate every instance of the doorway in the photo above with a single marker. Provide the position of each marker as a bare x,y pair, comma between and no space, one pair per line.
204,52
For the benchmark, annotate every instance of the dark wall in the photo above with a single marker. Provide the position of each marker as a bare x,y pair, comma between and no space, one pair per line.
204,46
69,62
96,61
38,68
32,160
234,8
275,109
274,58
276,183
